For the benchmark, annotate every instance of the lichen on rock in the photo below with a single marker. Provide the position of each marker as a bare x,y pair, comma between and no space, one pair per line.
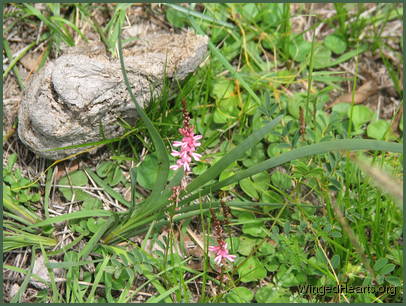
78,97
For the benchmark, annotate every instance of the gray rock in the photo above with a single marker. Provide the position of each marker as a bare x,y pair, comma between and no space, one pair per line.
80,96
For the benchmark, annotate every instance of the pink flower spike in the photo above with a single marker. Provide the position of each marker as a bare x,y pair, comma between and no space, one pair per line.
187,146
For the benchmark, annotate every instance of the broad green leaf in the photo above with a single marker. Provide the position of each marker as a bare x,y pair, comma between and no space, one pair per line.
270,294
104,168
147,171
321,56
227,65
393,280
75,179
225,174
299,49
359,115
378,129
342,108
249,188
223,89
95,240
116,195
387,269
249,11
343,58
251,270
239,295
246,245
335,44
281,180
335,261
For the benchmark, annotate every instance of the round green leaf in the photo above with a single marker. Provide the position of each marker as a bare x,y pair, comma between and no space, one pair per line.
147,171
115,176
93,224
299,49
225,174
77,178
251,270
239,295
249,188
360,115
378,129
321,57
393,280
281,180
342,108
223,89
335,44
246,244
270,294
104,168
219,117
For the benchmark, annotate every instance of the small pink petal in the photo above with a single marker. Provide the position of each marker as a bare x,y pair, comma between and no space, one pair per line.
174,167
186,167
230,257
177,143
196,156
175,153
217,260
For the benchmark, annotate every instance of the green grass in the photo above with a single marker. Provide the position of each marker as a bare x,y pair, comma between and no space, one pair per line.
303,212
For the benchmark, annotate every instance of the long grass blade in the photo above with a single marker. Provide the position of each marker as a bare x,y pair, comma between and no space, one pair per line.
319,148
75,215
163,159
193,13
91,244
97,279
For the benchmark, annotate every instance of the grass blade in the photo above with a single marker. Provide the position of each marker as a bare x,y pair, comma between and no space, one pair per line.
190,12
163,159
319,148
97,279
17,209
75,215
24,285
91,244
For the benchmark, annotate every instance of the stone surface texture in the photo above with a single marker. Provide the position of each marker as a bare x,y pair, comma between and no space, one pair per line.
80,96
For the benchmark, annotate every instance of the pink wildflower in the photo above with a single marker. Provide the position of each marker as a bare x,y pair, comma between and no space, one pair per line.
221,252
188,147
